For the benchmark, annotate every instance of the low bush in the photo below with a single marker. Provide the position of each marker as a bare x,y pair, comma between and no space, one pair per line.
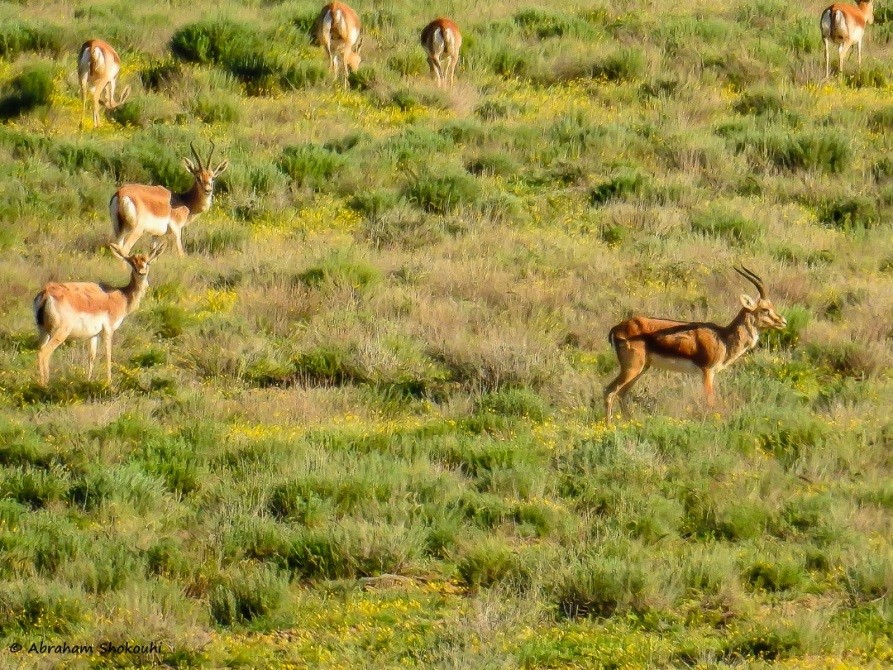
443,192
724,222
26,91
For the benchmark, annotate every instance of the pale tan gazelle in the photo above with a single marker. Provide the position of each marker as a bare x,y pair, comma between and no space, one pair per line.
680,346
338,31
845,26
88,311
98,67
136,209
442,40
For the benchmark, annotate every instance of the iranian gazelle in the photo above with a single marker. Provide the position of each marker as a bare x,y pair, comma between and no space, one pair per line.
441,40
136,209
98,67
845,26
693,347
338,31
88,311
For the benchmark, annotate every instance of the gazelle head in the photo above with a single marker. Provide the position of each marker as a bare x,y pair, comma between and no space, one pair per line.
352,56
760,309
204,175
110,104
867,7
139,263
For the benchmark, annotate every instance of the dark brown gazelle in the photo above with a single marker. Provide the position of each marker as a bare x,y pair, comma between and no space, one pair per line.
136,208
693,347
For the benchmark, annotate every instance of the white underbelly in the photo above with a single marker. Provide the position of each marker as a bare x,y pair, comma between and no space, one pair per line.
155,225
85,326
674,364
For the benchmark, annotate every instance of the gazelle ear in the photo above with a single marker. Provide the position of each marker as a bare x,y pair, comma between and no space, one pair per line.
118,252
749,303
220,168
190,165
358,45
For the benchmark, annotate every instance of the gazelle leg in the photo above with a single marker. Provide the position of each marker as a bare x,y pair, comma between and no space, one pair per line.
827,61
97,93
91,350
46,350
709,392
451,70
178,238
111,94
844,47
859,53
632,364
107,336
127,240
85,93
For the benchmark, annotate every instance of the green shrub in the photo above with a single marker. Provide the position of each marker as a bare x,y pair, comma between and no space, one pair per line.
492,163
486,564
442,192
372,205
27,606
514,402
543,24
622,186
214,108
27,90
342,269
855,213
160,75
328,365
600,586
242,598
765,644
306,74
244,52
780,575
622,65
17,38
310,165
725,222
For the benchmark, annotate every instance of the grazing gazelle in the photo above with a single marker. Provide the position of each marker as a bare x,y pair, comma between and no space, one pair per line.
845,26
136,209
98,67
680,346
442,40
338,31
86,311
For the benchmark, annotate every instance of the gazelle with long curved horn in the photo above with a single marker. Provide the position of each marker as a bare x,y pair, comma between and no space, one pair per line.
137,209
88,311
845,26
337,29
98,67
681,346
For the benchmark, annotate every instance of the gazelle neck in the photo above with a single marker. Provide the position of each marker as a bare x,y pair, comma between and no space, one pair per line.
195,199
134,291
740,335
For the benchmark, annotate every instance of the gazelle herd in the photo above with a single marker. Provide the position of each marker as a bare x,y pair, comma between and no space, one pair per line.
86,310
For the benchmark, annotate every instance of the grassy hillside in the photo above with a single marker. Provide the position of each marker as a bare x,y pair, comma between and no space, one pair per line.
360,424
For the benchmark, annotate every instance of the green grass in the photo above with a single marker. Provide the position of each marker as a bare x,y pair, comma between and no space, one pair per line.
360,424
